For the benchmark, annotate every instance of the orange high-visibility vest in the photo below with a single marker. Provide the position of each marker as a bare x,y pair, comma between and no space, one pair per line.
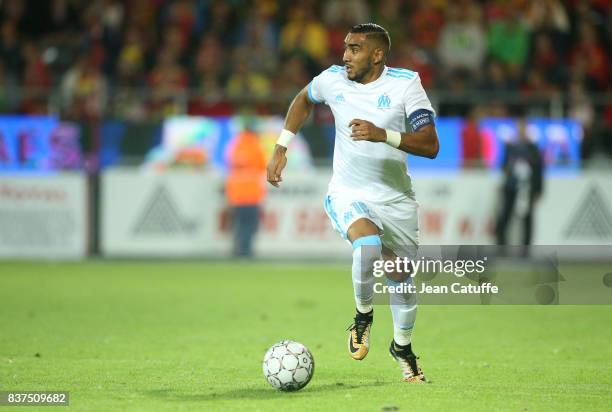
245,184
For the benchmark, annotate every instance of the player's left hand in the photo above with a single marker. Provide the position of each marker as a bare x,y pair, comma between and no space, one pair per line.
364,130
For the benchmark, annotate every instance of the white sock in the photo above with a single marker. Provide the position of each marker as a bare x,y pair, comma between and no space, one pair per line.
363,308
404,310
402,336
366,250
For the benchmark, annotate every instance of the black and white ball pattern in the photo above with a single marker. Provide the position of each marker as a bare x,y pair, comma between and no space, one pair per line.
288,366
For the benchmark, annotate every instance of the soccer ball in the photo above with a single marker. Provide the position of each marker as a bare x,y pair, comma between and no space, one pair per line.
288,366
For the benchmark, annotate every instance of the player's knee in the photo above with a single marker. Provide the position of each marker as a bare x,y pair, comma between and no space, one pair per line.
395,275
366,252
362,228
398,277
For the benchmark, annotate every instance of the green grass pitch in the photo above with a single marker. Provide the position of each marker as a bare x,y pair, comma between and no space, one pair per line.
191,336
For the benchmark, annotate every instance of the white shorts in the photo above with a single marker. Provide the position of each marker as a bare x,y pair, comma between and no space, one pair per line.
398,221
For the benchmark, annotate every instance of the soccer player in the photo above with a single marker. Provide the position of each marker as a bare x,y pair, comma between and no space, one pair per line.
370,201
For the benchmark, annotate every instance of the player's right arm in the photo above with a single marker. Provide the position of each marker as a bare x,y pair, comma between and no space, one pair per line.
299,110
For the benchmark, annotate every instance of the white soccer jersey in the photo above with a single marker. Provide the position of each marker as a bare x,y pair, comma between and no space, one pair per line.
370,171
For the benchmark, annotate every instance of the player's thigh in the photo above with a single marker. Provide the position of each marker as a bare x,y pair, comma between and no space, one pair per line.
352,218
400,227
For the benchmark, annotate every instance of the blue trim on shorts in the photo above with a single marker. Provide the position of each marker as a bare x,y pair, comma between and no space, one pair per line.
372,240
360,207
332,215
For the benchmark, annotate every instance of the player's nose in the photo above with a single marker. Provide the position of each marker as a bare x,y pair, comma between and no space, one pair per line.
345,57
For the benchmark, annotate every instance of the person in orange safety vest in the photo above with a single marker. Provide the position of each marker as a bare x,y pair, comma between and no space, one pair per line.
245,189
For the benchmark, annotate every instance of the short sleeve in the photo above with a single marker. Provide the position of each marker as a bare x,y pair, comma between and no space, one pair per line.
315,90
415,98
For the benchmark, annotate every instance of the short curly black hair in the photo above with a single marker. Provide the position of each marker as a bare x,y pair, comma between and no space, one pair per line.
376,32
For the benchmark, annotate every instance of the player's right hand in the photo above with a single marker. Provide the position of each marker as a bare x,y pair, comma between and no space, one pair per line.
276,165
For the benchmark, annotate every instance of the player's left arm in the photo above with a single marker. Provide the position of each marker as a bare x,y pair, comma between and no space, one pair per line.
423,142
422,139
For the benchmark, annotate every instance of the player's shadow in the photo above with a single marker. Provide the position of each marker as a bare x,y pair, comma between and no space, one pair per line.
253,393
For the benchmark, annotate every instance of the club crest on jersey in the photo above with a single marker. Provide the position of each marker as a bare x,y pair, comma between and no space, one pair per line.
340,98
384,102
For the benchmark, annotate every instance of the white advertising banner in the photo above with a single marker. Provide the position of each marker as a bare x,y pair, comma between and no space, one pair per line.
156,215
462,210
295,223
457,210
575,211
184,213
43,216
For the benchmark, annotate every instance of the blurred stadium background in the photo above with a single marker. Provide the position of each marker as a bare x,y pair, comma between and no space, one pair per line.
117,115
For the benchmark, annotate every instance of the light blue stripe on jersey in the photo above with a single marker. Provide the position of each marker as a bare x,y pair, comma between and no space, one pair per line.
408,74
398,73
405,76
398,70
401,77
335,68
310,96
373,240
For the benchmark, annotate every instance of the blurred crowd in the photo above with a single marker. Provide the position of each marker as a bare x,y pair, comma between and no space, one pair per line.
143,59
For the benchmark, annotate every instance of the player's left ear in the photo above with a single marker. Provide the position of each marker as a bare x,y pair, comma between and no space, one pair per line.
379,55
